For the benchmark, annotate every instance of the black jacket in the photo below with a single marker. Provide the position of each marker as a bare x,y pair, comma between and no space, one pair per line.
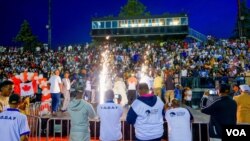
222,111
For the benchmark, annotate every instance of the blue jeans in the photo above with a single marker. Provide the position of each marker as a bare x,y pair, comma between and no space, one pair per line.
55,101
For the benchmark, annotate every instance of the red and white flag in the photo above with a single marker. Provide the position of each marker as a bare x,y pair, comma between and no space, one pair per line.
26,89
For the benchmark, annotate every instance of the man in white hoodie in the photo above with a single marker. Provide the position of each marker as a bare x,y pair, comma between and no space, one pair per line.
80,111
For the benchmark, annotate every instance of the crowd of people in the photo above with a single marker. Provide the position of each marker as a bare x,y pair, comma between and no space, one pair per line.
188,64
150,80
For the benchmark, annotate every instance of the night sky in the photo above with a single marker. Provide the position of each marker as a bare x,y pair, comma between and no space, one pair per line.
71,18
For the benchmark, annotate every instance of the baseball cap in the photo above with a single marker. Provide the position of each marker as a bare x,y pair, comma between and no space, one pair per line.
245,88
14,99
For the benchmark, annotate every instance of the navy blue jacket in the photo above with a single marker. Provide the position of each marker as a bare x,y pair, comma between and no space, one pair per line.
222,111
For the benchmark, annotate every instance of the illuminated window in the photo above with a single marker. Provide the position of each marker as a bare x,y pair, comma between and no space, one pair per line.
132,23
129,23
126,23
161,22
146,22
153,22
176,21
136,23
122,24
150,22
139,23
142,23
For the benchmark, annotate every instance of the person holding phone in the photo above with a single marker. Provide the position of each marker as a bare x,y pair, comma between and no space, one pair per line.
222,111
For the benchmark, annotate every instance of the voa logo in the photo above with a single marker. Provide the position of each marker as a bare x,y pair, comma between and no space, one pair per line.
236,132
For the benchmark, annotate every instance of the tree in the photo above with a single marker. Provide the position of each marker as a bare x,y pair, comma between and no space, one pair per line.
26,37
243,20
134,8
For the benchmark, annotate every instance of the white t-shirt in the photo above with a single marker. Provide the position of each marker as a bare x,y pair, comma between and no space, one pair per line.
110,114
146,79
54,84
131,86
184,73
13,124
179,125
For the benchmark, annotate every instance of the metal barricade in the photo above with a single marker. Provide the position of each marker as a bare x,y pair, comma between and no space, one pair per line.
34,108
200,131
35,124
58,127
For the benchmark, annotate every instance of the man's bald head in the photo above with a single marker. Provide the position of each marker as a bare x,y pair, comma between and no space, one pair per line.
109,95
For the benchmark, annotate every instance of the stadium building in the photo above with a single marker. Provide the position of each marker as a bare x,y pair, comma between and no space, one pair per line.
149,28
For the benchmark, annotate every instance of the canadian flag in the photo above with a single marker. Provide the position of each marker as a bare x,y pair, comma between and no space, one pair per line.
26,89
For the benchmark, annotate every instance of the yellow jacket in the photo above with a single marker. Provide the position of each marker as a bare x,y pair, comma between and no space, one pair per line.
158,81
243,107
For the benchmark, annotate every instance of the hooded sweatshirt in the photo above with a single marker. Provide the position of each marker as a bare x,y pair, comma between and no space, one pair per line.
80,111
146,114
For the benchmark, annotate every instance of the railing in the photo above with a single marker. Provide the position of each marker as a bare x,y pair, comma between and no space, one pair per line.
200,136
200,84
212,82
57,126
34,108
59,129
35,124
197,35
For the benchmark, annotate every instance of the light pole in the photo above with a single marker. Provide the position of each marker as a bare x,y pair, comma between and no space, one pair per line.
49,24
239,19
242,18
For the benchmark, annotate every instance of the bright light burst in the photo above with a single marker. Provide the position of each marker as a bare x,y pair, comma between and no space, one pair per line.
103,75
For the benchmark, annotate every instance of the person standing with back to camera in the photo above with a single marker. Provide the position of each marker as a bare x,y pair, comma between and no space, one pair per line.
14,124
222,111
146,114
80,112
179,122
